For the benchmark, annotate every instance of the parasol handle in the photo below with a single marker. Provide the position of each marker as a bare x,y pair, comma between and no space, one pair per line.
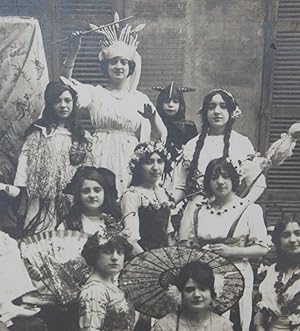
89,31
247,190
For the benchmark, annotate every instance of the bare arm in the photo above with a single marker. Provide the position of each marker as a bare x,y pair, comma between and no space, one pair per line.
239,252
130,203
158,129
74,47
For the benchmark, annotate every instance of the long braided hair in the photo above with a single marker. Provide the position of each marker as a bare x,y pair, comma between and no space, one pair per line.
231,105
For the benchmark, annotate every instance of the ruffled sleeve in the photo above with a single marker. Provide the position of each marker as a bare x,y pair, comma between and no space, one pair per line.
257,230
21,174
130,204
184,165
267,291
250,168
93,304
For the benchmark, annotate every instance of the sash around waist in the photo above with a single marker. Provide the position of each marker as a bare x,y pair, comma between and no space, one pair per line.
115,131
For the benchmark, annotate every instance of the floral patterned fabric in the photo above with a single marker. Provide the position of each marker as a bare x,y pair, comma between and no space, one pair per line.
44,169
23,78
284,310
103,307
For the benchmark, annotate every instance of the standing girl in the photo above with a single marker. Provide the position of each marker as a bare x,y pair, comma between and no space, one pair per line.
121,116
217,139
230,227
55,146
171,107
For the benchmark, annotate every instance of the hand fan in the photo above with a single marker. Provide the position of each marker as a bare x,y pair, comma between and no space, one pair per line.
57,255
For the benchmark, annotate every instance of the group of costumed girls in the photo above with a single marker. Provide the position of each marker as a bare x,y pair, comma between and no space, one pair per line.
126,178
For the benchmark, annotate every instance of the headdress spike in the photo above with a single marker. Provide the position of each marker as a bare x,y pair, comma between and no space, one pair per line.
186,89
171,89
158,88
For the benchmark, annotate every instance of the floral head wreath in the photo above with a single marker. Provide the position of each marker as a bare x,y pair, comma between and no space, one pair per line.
237,168
111,230
145,150
237,111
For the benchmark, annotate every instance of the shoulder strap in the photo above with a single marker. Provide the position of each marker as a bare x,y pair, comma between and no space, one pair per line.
235,223
196,220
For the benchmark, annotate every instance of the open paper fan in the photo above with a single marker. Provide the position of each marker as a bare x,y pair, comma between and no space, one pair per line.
57,255
146,279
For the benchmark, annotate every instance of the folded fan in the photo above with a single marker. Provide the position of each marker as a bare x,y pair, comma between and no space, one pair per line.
57,255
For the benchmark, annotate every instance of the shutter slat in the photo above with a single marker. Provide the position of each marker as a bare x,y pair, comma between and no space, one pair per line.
87,68
286,71
288,9
87,7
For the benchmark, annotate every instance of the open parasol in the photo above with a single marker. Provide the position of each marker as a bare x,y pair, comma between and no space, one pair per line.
147,278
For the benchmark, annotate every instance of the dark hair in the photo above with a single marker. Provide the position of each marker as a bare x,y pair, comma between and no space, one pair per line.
164,97
49,119
282,258
230,106
137,172
215,167
110,205
199,272
104,67
92,249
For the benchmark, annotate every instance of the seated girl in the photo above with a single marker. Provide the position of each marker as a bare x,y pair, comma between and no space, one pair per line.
145,205
279,307
102,305
95,199
195,282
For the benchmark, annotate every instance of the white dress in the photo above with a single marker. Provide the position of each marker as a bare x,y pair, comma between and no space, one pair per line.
251,227
118,126
239,149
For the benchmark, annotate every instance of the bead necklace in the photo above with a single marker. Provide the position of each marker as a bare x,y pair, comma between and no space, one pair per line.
213,210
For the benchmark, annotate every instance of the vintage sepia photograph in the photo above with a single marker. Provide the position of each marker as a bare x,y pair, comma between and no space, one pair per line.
149,165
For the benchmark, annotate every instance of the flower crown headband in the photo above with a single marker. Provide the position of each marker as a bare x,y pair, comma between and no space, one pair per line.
111,230
145,150
237,112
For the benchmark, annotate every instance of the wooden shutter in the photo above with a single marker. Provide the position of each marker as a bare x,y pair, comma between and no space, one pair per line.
162,42
282,103
75,15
